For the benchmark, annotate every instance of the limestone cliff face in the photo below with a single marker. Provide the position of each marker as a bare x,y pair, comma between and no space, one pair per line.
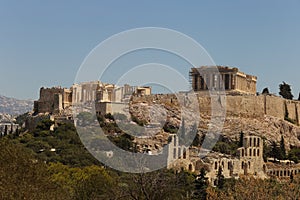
268,127
259,115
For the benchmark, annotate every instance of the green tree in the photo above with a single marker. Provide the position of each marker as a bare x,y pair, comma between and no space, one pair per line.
44,125
275,151
282,154
22,176
294,154
220,178
17,132
265,91
201,184
285,91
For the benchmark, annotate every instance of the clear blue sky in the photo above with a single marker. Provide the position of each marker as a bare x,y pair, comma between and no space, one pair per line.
43,43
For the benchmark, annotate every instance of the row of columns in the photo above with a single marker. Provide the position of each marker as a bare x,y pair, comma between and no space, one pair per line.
284,173
83,95
213,81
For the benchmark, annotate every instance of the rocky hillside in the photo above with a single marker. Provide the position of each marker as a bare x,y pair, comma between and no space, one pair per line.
14,106
268,127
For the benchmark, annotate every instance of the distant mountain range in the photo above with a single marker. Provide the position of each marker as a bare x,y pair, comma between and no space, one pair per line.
14,106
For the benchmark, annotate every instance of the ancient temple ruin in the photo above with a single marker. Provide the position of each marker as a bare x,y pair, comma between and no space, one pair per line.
219,77
247,161
55,100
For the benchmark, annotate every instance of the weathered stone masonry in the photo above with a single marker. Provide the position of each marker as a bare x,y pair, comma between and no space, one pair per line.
219,77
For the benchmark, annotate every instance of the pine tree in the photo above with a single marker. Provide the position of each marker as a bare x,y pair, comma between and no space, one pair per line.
274,150
282,149
201,183
17,131
265,91
220,178
285,91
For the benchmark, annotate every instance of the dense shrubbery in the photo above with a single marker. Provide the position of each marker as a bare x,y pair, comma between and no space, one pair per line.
22,176
226,146
252,188
70,172
294,154
61,145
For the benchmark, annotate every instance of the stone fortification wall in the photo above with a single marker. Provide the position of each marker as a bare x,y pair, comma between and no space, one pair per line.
247,106
53,100
256,107
274,106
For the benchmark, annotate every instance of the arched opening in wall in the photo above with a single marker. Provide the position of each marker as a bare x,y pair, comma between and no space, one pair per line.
243,153
190,167
264,168
288,173
249,164
174,153
257,152
243,165
223,164
216,165
284,173
258,142
179,152
184,153
254,152
215,182
175,141
250,152
254,142
246,169
281,173
229,165
250,142
277,173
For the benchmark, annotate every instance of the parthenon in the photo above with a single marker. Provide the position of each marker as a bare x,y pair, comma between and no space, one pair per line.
220,77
